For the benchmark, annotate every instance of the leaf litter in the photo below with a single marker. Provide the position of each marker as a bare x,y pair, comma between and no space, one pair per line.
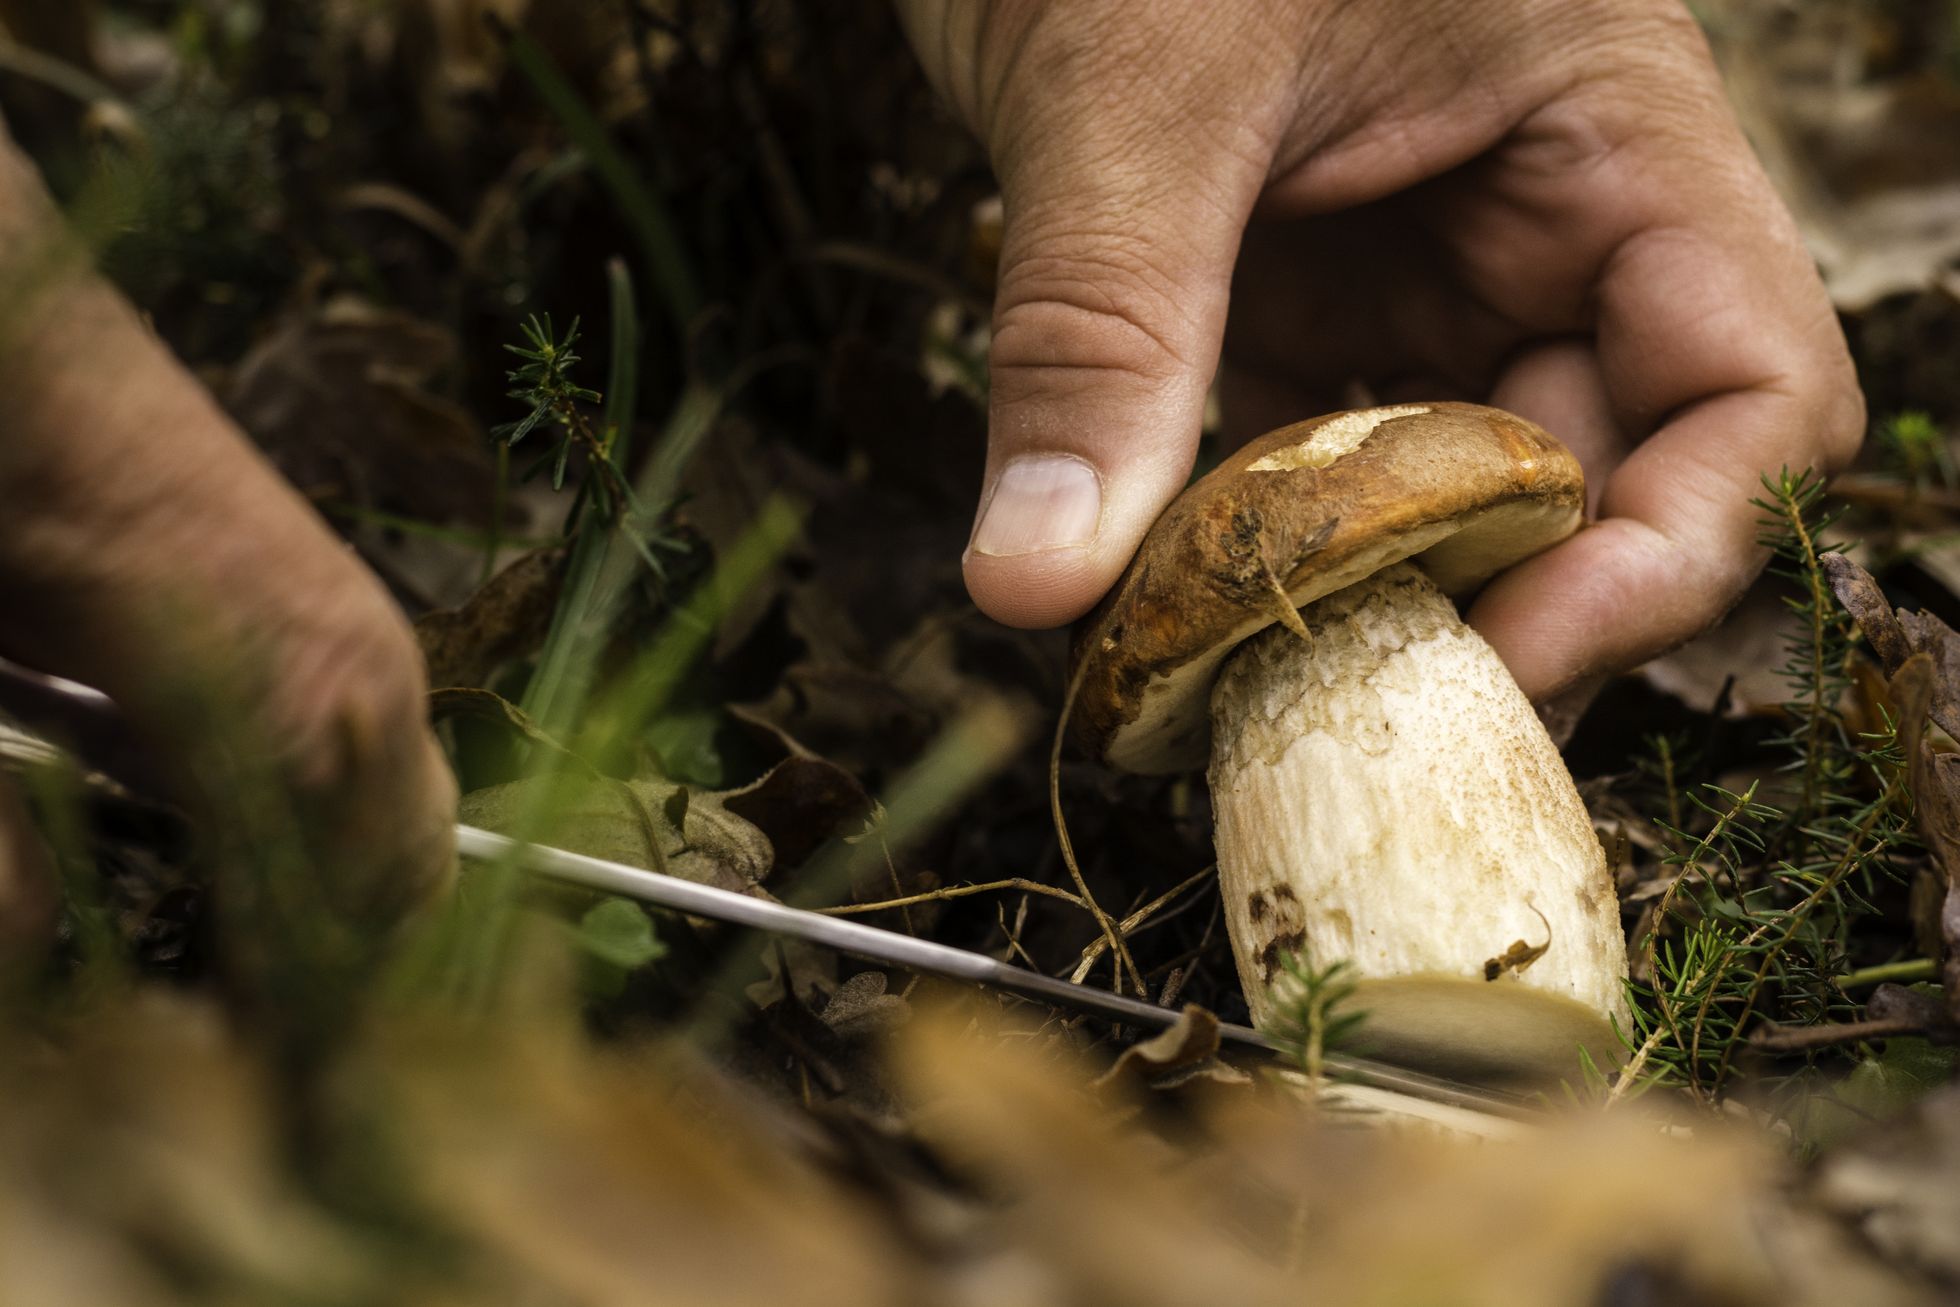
545,1096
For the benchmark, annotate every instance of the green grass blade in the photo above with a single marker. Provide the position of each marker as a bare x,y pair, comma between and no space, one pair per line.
659,245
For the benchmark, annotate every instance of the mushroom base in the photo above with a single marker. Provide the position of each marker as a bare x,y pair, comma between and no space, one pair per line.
1386,795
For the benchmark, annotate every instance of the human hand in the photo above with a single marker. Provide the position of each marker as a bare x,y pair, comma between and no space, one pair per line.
1545,206
148,550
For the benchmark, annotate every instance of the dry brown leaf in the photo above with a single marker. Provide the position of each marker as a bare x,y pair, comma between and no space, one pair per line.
1093,1210
1193,1039
507,618
1860,595
614,820
337,397
1868,158
1923,654
800,804
1898,1185
1740,655
860,1008
1279,1209
152,1141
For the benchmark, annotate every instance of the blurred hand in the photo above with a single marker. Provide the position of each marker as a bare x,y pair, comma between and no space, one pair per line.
1544,205
147,549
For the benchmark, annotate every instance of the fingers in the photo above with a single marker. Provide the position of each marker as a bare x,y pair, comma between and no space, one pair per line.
1558,385
1749,364
1714,334
373,790
151,552
1121,229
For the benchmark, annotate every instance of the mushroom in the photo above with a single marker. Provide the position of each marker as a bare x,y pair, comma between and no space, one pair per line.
1383,792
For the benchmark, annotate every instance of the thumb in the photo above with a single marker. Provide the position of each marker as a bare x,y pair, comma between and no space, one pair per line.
1120,233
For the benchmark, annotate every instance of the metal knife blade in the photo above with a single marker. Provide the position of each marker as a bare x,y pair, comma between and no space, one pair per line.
90,722
928,958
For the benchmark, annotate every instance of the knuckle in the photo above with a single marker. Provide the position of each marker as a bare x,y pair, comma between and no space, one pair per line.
351,705
1107,305
1841,416
1829,403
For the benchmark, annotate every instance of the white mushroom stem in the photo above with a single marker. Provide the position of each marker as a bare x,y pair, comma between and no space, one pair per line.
1385,794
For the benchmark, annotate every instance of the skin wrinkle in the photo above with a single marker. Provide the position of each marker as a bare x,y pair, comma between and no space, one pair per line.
1328,108
1527,169
1699,475
1118,275
1121,244
1566,619
1568,615
1314,166
1695,474
1083,283
1137,86
147,539
1379,64
1085,328
988,108
1644,407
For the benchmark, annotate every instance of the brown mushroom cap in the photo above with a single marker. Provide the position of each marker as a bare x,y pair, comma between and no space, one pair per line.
1463,490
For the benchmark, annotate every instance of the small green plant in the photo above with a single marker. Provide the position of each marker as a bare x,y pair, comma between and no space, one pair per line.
1756,921
1913,448
1817,658
543,381
1316,1013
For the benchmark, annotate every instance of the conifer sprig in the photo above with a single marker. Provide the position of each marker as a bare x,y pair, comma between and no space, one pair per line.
1756,923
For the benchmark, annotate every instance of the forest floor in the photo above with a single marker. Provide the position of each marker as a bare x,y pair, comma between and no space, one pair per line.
706,616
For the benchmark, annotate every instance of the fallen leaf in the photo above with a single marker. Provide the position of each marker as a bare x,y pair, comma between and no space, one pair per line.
1188,1044
1859,594
614,820
1898,1186
337,396
1866,157
505,619
489,706
1923,655
1738,658
618,933
860,1008
800,804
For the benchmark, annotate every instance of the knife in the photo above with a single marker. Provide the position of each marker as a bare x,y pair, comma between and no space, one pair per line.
91,723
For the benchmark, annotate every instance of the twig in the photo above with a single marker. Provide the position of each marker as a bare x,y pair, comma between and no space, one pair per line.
1877,492
1012,934
954,892
1800,1039
1110,933
1672,1028
1129,924
1848,862
1283,609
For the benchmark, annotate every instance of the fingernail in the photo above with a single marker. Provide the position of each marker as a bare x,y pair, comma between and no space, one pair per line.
1044,502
